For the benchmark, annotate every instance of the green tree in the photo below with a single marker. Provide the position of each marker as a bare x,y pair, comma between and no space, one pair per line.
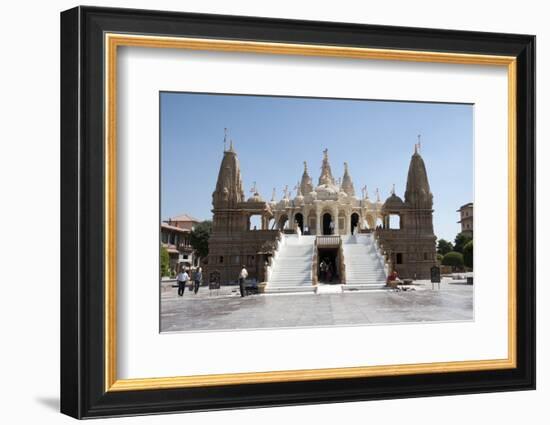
199,238
461,240
443,246
164,262
439,258
453,259
469,254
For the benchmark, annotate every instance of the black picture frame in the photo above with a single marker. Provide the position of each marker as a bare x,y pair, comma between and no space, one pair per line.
83,392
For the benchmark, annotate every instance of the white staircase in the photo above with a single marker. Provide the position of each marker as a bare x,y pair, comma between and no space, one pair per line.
291,268
364,264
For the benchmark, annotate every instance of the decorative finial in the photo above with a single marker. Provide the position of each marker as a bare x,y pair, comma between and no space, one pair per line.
231,145
364,192
377,195
225,139
325,154
345,167
297,189
418,146
273,194
285,192
305,167
393,189
254,190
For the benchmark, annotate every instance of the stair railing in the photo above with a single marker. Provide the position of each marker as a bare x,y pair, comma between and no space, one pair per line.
314,264
342,262
383,259
279,242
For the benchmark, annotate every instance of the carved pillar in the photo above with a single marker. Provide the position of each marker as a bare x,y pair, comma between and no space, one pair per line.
336,222
318,223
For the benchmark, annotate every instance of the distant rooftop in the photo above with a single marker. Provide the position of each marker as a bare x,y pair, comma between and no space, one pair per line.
183,217
469,204
174,228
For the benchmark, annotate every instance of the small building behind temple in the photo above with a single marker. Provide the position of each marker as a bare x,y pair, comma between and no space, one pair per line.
466,221
402,227
174,237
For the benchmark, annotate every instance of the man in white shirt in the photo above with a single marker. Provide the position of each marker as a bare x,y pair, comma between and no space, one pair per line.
242,276
182,279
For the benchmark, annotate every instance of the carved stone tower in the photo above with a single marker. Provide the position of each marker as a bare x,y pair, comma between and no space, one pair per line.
228,194
234,241
411,243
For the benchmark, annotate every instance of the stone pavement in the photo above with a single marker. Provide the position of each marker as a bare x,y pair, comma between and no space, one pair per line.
228,311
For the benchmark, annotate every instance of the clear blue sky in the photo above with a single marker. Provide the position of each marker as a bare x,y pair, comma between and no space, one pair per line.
274,135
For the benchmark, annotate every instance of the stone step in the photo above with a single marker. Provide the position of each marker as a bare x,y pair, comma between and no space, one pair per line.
364,286
288,289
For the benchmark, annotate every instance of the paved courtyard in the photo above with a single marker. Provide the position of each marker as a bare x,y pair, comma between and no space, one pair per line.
227,310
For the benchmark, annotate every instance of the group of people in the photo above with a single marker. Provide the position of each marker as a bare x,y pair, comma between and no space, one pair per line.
326,270
183,277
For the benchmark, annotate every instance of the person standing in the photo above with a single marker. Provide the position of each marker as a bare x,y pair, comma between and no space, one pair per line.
323,270
242,277
182,279
198,279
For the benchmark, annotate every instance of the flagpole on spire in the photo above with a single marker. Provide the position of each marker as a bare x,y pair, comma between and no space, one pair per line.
225,139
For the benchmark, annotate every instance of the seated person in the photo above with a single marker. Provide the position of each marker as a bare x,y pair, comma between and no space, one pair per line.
393,279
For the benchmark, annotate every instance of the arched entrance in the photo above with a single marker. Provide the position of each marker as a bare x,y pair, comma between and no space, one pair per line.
327,220
299,218
354,222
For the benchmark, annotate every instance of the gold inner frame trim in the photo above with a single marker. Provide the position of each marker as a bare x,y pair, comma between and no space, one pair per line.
113,41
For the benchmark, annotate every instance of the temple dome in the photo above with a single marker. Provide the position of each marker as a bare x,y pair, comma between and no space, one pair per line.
327,190
255,198
394,202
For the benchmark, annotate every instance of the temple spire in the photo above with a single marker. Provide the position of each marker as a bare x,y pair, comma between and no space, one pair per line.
364,192
298,189
229,186
285,193
306,185
418,194
347,183
326,173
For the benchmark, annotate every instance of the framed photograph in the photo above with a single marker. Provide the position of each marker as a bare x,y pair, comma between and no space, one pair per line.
261,212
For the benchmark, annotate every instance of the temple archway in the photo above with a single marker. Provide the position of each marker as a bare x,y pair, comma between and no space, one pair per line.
327,220
354,222
299,218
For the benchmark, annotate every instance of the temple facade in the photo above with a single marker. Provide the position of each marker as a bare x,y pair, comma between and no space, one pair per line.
403,228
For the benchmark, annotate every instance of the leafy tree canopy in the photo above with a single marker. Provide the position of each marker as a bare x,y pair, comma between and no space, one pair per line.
454,259
443,246
164,262
461,240
199,238
469,254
